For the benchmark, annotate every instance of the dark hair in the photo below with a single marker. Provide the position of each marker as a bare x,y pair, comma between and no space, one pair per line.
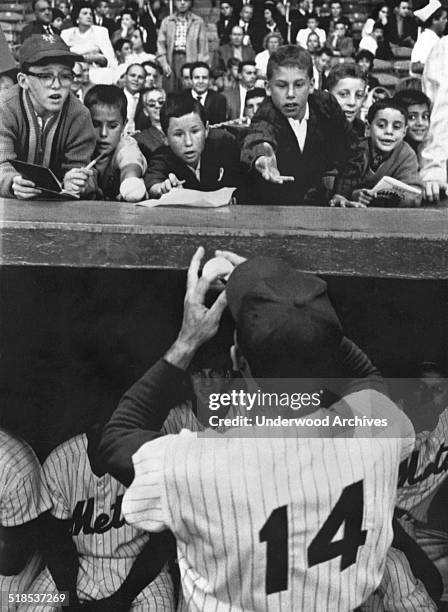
233,61
107,95
98,2
34,2
227,2
408,97
435,16
186,65
341,21
344,71
118,44
382,105
312,16
324,50
153,65
376,11
132,13
77,8
378,26
336,2
195,65
247,63
133,65
291,56
179,104
257,92
57,14
365,54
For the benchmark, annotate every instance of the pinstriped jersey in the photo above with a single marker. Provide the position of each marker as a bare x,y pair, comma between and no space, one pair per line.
23,497
107,546
423,472
270,523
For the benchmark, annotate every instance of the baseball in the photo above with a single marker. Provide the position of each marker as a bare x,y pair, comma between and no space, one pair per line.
218,267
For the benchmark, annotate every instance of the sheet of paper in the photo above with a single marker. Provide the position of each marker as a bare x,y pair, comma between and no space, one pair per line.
192,197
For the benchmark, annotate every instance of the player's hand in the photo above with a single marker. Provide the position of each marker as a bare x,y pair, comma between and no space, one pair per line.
266,165
339,201
199,323
23,189
234,259
171,182
432,190
76,179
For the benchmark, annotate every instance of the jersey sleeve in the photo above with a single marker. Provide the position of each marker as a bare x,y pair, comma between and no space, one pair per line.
24,496
55,471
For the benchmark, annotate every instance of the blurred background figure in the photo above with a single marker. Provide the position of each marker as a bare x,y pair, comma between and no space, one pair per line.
271,43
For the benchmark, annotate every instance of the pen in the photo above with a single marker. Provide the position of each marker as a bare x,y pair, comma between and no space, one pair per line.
94,161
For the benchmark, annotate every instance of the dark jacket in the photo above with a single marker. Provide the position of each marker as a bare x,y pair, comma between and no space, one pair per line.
36,28
220,165
222,55
110,25
215,107
409,33
225,29
330,144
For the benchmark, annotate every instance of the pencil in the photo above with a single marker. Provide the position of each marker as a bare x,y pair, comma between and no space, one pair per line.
93,162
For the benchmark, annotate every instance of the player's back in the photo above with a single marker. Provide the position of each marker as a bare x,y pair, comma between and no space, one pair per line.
278,523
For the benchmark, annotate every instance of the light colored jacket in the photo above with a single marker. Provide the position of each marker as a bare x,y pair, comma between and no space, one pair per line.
197,43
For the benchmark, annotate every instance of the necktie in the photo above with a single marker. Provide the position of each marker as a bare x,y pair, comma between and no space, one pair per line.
200,99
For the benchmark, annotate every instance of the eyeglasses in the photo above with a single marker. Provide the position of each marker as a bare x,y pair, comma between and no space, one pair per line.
48,78
154,103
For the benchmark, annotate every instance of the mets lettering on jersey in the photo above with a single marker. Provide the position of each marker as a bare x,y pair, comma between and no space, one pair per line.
272,523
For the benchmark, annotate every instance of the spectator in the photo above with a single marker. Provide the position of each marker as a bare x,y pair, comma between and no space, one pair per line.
418,108
272,22
123,49
151,135
182,38
235,49
226,22
386,153
297,136
365,59
347,83
76,86
254,99
44,91
153,74
236,97
311,26
247,24
126,25
402,26
380,14
329,23
271,43
298,17
57,19
43,18
134,82
215,104
322,60
435,153
376,44
122,165
150,19
232,76
313,44
434,29
89,40
185,76
339,42
139,55
64,7
202,162
101,8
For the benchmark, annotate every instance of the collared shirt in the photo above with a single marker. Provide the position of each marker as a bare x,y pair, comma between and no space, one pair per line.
243,92
180,36
132,106
300,128
196,171
201,97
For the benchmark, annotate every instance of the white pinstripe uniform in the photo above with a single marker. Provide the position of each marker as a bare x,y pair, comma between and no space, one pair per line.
23,497
106,545
275,523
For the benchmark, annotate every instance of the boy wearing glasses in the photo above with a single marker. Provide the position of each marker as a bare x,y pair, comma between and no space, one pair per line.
43,123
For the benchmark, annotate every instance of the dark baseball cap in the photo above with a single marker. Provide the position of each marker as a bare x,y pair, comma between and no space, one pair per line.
40,47
286,326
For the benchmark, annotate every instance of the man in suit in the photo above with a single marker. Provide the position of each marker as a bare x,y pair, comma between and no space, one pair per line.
101,9
236,97
226,22
329,23
215,104
402,26
235,49
42,25
193,158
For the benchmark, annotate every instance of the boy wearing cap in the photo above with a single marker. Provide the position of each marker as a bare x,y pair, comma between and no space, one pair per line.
43,123
297,136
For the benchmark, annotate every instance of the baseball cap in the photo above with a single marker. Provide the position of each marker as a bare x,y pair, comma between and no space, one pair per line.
286,326
39,47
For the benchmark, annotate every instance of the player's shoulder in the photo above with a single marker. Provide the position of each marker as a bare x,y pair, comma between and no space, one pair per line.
16,455
69,453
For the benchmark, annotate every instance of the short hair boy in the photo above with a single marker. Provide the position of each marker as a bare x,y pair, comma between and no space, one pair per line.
385,152
297,136
347,83
254,98
43,123
192,158
121,164
418,108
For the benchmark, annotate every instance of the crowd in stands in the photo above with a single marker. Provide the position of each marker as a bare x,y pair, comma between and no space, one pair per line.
291,101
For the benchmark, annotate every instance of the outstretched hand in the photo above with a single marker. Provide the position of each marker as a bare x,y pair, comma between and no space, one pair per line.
266,165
